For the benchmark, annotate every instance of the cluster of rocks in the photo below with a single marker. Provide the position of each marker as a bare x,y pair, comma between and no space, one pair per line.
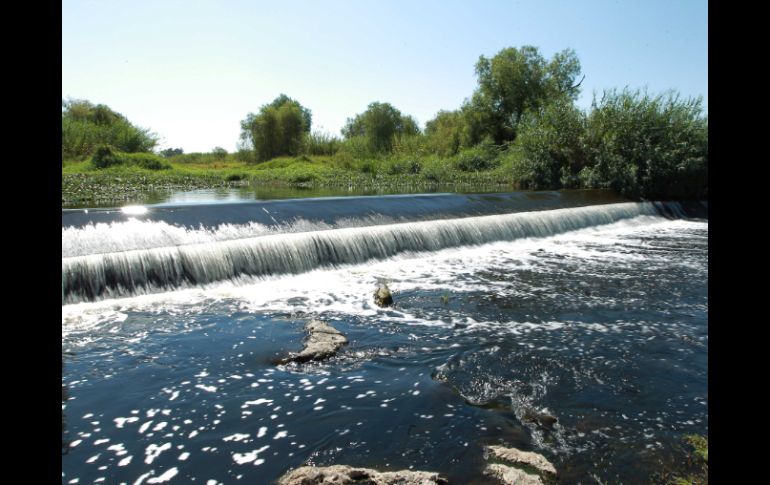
323,340
519,467
344,475
522,468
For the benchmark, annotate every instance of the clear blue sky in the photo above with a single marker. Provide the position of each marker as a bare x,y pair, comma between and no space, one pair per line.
191,70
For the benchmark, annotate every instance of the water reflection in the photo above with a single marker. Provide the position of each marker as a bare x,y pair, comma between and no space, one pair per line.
251,193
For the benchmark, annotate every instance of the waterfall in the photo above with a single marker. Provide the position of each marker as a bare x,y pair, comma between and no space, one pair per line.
190,258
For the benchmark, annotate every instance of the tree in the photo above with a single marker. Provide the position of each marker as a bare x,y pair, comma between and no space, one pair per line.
86,126
219,153
378,125
277,130
513,82
307,115
446,133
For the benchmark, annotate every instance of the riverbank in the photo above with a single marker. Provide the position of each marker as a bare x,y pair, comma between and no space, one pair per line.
83,184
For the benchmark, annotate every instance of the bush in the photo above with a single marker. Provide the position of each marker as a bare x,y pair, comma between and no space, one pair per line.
302,177
105,156
321,144
147,161
551,147
86,126
480,158
357,147
647,146
403,166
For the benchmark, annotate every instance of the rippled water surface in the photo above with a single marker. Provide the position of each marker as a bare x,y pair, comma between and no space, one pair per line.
604,328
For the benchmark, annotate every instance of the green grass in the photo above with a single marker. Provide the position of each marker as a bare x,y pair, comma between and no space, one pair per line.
83,183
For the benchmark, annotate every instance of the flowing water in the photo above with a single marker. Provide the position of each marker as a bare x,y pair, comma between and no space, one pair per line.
506,307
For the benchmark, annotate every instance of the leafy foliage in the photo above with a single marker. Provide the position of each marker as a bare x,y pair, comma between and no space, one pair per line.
634,143
378,125
647,146
318,143
85,126
551,144
513,82
278,129
106,156
519,125
171,152
447,133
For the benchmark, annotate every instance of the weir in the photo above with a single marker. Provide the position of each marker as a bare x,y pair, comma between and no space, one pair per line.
329,210
108,273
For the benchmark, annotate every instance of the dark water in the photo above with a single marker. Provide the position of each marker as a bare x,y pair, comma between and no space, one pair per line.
604,328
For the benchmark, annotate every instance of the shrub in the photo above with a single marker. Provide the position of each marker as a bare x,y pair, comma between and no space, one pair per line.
85,126
317,143
477,159
647,146
551,142
146,161
105,156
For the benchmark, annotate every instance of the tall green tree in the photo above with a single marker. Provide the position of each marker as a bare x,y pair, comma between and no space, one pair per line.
513,82
278,129
446,133
378,125
85,126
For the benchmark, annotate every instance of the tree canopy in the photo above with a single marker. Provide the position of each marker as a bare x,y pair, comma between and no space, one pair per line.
277,129
378,125
86,126
513,82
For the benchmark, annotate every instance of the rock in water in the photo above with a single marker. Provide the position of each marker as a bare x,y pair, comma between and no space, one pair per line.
542,420
382,296
322,341
511,476
529,458
344,475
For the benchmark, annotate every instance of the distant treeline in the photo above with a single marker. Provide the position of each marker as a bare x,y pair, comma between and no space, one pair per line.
522,116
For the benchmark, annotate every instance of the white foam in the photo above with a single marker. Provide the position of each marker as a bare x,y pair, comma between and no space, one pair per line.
165,477
243,458
236,437
153,451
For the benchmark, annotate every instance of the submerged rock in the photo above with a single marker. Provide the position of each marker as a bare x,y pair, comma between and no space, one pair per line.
322,341
382,296
518,457
511,476
542,420
343,475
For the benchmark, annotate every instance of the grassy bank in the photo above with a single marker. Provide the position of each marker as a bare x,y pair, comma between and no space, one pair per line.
83,183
